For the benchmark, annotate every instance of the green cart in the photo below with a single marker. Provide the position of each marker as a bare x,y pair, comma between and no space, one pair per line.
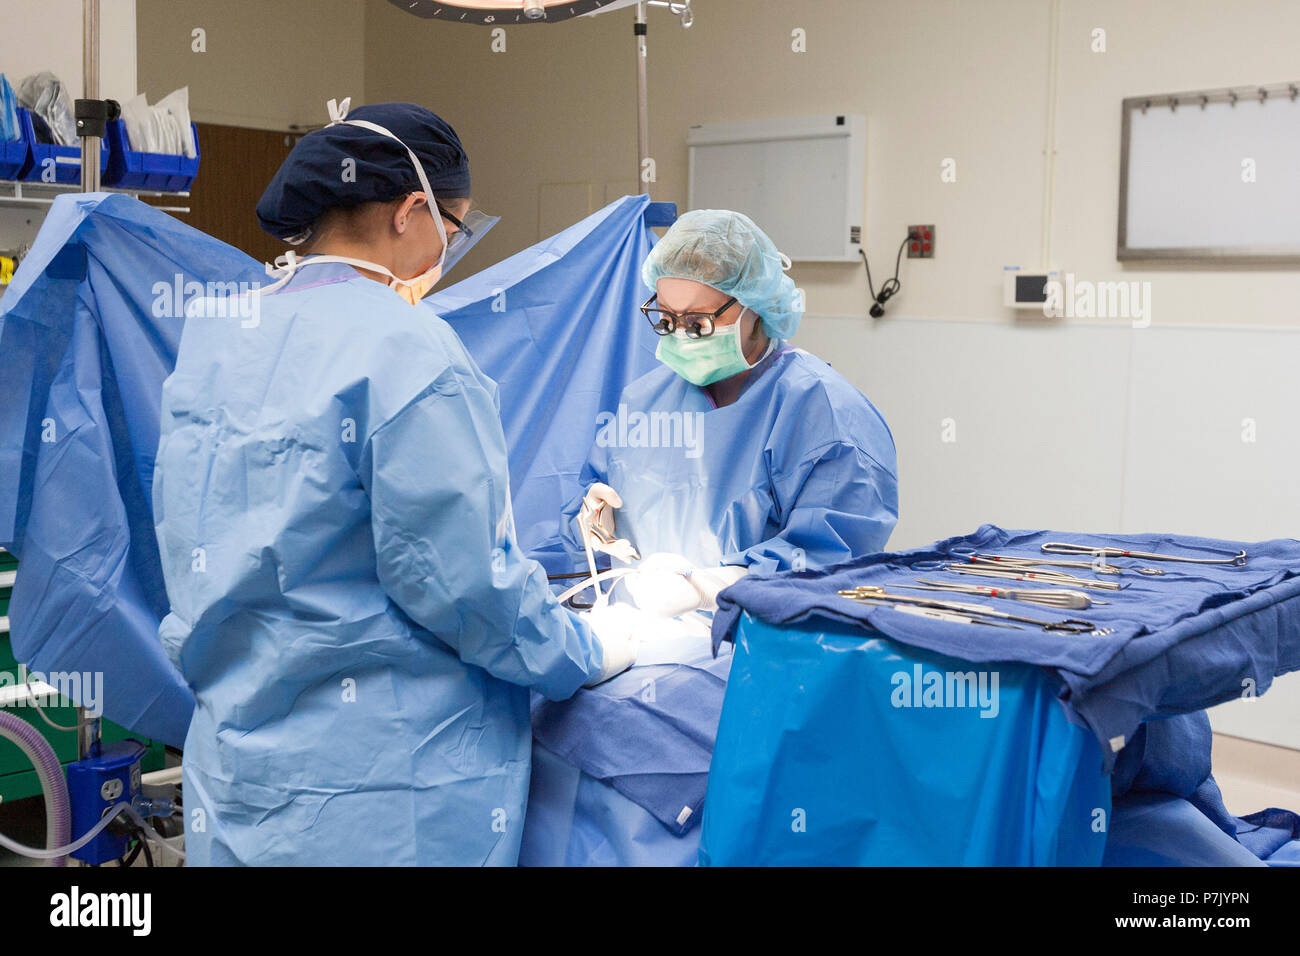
17,777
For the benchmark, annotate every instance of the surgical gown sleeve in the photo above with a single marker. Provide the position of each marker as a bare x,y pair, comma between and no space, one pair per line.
446,551
835,503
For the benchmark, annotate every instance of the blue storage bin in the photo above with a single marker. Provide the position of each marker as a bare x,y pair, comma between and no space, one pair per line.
67,159
13,156
130,169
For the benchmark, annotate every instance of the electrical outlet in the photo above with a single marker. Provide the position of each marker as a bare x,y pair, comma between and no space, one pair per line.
920,242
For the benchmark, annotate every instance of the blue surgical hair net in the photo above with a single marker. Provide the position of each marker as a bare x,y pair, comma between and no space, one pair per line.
727,251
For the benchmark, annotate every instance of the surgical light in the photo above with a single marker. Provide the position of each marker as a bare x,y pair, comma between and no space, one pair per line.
499,12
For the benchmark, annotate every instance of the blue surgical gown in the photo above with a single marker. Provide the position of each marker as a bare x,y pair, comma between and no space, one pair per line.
348,601
799,472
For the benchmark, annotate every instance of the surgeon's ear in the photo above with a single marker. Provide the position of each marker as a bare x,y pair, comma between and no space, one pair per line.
405,208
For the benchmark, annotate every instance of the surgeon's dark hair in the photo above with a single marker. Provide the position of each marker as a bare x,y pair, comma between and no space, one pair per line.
357,219
353,220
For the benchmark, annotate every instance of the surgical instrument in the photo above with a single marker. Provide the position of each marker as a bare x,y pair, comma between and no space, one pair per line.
593,532
1237,559
612,574
876,594
935,614
591,565
1015,561
1023,574
1047,597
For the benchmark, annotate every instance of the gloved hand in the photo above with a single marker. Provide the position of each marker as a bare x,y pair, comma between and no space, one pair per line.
669,585
619,629
596,522
709,581
661,585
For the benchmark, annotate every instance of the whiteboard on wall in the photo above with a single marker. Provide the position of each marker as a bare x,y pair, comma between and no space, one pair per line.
1211,175
803,180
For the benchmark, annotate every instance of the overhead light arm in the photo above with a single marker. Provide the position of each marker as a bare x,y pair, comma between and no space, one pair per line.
523,12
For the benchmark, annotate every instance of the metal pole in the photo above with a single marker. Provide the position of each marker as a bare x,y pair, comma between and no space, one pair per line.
1049,135
88,731
90,82
642,100
89,727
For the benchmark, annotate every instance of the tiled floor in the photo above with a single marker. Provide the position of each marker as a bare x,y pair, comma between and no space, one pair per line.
1254,776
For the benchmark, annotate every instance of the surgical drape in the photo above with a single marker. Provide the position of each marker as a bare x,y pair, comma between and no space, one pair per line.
556,327
88,331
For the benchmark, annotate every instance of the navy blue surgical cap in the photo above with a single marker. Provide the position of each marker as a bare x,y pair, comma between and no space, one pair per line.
315,177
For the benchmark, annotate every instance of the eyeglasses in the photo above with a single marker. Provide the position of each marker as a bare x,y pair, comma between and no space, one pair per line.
463,233
696,325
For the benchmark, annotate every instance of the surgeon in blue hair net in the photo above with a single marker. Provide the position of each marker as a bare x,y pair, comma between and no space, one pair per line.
348,601
741,453
779,462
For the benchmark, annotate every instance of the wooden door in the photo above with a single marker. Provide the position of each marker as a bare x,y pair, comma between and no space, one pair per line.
235,166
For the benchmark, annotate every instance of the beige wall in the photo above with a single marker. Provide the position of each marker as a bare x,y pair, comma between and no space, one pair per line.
46,35
269,64
1075,424
516,111
1158,46
965,79
29,44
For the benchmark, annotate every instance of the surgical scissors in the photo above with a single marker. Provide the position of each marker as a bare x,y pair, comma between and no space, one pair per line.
1024,574
876,594
935,614
1236,560
1047,597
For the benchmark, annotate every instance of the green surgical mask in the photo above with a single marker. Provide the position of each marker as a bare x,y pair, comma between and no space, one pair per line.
706,360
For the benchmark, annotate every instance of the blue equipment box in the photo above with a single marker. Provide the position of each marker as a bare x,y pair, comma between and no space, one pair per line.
132,169
95,785
13,156
65,161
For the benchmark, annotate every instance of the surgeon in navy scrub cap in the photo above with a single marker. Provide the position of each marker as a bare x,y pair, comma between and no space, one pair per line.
349,605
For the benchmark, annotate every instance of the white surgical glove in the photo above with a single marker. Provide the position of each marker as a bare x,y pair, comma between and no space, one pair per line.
596,522
618,629
709,581
661,585
669,585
